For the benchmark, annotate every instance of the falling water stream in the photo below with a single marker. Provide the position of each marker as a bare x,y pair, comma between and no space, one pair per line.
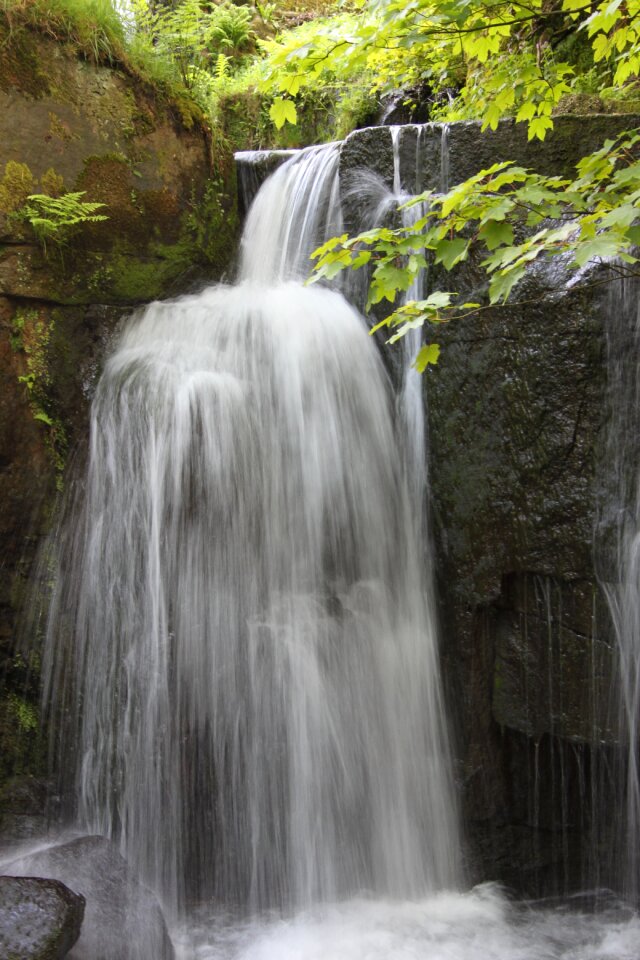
622,578
242,648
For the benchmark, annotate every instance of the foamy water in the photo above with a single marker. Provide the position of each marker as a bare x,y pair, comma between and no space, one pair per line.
480,925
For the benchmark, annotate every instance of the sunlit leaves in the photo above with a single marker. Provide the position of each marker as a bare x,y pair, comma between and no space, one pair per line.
427,354
500,58
498,53
283,111
511,217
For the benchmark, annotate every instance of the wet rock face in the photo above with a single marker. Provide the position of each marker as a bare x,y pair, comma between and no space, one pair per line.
123,920
517,408
516,417
468,150
168,196
39,919
67,124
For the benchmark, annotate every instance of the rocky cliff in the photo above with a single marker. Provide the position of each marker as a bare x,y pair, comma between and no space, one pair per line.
71,126
517,411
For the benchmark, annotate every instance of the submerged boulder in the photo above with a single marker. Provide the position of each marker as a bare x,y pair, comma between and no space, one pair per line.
123,919
39,919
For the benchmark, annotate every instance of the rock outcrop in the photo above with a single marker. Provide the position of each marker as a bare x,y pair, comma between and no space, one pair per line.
123,920
73,126
517,410
39,919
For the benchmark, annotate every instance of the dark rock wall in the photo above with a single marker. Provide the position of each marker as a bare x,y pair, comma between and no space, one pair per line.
517,411
67,124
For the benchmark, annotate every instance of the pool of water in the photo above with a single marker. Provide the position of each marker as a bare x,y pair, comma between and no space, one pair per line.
480,925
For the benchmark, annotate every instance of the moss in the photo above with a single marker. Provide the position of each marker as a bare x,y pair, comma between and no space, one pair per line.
21,67
211,228
108,179
21,745
16,185
31,336
52,183
60,129
136,280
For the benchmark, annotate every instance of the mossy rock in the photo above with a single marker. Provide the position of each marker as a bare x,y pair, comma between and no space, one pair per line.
95,130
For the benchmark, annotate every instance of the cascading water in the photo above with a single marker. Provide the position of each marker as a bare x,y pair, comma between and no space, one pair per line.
621,577
241,661
251,648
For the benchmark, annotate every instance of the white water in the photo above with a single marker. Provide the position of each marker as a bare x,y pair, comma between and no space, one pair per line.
622,582
479,925
243,632
251,651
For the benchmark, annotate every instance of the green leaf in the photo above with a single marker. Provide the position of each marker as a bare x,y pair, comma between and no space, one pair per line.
602,246
283,111
428,354
41,416
503,282
290,83
496,233
538,127
451,252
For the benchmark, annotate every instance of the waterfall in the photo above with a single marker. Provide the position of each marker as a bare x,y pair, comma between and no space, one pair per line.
241,662
621,552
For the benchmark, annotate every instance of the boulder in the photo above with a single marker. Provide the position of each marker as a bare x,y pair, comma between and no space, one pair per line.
39,919
123,920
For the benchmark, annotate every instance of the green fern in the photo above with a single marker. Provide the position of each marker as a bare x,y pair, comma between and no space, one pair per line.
222,66
52,218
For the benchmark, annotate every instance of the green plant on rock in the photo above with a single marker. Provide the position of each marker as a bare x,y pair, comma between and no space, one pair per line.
231,31
25,713
31,333
211,229
53,218
20,735
52,183
16,185
93,26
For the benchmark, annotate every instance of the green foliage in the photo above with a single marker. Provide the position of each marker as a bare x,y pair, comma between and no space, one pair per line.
25,713
53,218
20,740
181,44
510,217
31,339
231,30
283,111
16,185
94,26
501,56
211,228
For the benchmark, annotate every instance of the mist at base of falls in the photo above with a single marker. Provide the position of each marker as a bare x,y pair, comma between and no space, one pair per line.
479,925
